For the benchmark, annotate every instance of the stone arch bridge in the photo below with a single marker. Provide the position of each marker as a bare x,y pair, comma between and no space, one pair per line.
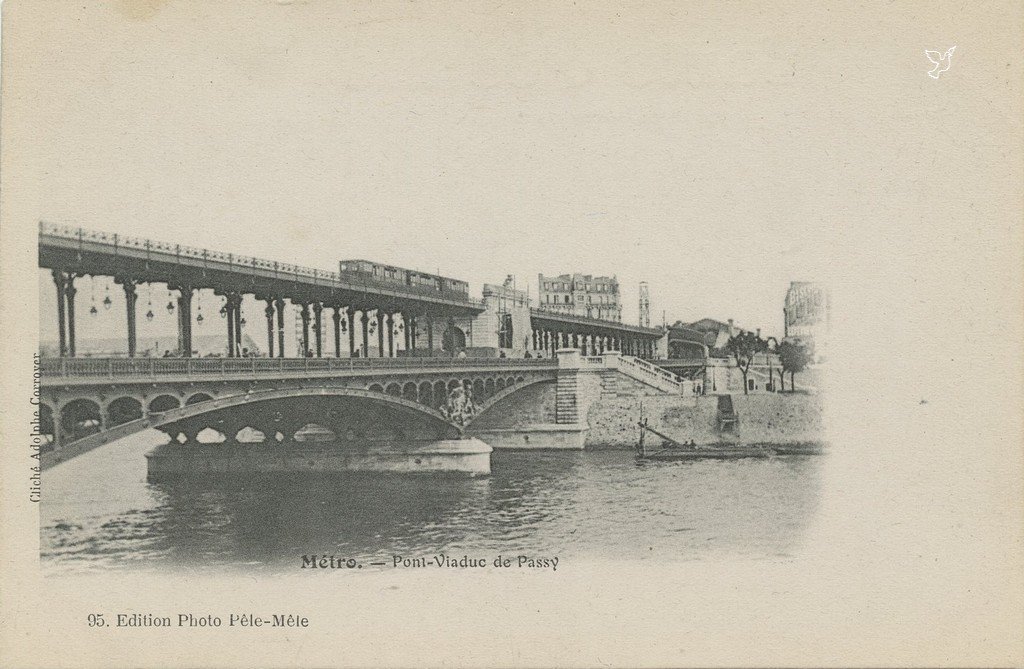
86,403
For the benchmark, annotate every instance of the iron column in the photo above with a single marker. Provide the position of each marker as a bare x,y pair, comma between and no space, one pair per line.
269,311
318,309
60,281
280,326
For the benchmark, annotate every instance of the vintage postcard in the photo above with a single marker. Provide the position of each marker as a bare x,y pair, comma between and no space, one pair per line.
511,334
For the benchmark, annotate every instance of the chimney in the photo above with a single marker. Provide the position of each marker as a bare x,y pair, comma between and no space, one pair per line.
731,333
758,333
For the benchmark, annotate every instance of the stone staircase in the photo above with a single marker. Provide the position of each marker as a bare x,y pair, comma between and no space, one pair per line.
566,407
652,375
609,383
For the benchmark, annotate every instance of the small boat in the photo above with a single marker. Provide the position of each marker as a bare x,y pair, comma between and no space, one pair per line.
671,449
674,450
808,448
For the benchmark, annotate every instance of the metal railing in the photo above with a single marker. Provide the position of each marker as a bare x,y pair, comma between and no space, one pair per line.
168,367
315,275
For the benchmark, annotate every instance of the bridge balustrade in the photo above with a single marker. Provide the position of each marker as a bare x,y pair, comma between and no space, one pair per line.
162,367
678,362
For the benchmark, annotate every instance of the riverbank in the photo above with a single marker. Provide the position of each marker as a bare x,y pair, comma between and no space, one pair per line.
766,418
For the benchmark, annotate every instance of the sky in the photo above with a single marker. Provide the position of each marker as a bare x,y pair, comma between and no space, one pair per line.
681,144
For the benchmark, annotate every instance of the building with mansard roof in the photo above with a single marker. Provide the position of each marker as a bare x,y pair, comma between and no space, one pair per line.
581,295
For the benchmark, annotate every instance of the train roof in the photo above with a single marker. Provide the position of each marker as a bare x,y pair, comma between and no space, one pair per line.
404,269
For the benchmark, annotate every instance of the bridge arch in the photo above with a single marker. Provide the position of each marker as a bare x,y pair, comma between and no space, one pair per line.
82,421
80,417
195,398
164,402
425,394
47,427
500,395
123,410
453,339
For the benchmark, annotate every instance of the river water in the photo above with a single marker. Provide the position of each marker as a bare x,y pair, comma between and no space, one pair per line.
99,513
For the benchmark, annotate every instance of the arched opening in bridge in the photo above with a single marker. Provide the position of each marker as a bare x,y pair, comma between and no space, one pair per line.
347,420
46,425
394,390
478,389
197,398
426,394
440,394
80,418
489,387
163,403
409,392
376,388
249,435
500,385
208,435
123,410
453,339
314,433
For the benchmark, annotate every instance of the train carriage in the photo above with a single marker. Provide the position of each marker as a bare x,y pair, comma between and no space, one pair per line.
366,270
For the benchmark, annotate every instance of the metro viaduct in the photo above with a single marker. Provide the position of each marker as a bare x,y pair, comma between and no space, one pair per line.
71,253
74,252
86,403
553,331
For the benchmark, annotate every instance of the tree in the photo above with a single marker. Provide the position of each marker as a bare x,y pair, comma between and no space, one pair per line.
743,348
794,356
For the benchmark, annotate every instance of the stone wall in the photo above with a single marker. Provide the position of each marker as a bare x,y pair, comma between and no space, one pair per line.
530,406
764,418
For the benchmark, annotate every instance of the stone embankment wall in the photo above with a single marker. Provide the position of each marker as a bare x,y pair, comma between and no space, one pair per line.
767,418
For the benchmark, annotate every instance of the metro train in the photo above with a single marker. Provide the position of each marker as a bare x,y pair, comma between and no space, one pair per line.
361,270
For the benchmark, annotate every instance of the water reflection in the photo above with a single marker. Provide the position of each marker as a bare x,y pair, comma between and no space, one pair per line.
570,504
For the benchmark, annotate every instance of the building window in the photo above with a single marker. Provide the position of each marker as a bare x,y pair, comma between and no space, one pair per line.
567,299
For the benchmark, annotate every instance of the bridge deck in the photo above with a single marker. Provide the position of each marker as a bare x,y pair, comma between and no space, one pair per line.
92,252
72,371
